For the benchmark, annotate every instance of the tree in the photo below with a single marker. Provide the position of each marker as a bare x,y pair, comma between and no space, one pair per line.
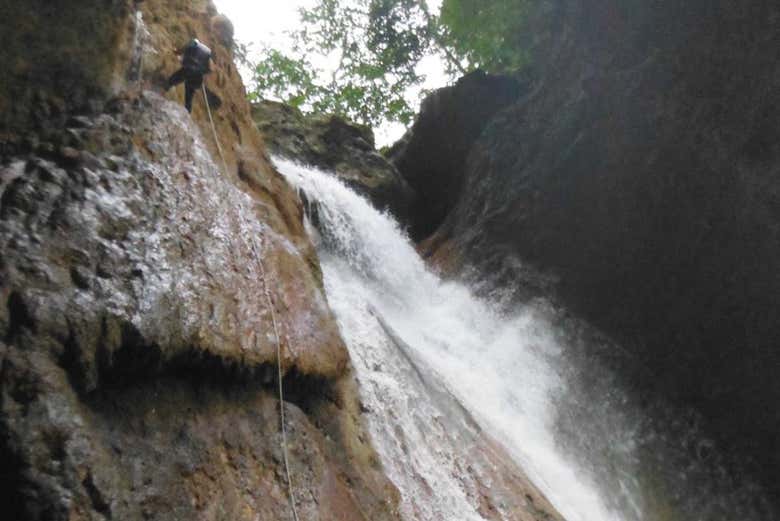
376,46
490,35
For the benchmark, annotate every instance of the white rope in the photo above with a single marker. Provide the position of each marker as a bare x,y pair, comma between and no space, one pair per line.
269,302
139,42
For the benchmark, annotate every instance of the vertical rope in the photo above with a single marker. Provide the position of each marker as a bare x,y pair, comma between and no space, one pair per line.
139,42
263,278
269,303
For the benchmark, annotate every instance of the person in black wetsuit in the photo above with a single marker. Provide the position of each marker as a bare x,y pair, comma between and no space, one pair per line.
195,63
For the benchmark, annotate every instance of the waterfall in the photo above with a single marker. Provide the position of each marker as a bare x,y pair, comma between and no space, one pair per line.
438,365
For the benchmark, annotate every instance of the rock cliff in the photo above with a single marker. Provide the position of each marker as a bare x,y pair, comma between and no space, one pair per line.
640,172
153,273
342,147
432,153
137,345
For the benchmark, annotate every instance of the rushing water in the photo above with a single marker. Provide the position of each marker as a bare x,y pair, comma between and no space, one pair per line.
522,376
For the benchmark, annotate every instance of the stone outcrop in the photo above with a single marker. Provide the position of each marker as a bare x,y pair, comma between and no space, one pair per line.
342,147
641,173
432,155
137,347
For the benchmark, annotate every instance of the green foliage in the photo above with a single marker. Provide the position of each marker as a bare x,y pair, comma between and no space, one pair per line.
398,33
374,47
490,35
285,78
375,44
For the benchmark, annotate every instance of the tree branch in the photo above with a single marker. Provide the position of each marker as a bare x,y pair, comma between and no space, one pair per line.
432,22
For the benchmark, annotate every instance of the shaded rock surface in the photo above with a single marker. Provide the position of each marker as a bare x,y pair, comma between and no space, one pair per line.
54,68
137,348
432,155
641,173
337,145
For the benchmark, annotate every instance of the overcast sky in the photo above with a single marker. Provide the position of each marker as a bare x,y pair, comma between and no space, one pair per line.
259,23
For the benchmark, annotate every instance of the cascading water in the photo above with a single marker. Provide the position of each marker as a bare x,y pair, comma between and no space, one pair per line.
424,348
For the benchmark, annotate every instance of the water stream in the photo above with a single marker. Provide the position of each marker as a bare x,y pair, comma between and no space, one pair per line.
420,344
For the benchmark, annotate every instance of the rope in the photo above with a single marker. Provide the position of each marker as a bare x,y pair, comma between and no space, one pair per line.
269,302
263,278
139,42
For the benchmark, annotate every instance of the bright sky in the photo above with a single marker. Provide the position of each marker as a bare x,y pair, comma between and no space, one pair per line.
259,23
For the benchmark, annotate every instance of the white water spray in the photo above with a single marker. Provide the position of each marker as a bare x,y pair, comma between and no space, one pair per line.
414,338
498,367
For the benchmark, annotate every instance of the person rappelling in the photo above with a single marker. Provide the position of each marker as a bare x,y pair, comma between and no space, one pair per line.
195,63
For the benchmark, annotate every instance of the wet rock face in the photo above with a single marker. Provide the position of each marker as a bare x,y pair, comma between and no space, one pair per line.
345,148
133,237
432,156
642,171
138,354
137,347
164,448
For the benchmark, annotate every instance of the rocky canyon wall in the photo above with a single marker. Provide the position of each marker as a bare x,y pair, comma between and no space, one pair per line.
640,174
137,347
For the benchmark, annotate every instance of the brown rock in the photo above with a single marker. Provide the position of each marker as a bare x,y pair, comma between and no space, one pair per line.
138,354
222,27
336,145
432,155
